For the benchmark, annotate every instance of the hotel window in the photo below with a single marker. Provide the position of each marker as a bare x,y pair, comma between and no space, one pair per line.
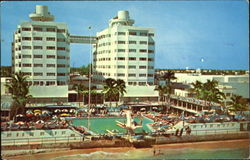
50,29
142,67
151,34
31,134
41,133
50,39
142,75
150,59
61,65
150,67
36,83
51,74
143,59
121,58
132,42
132,58
132,50
38,74
132,67
132,33
26,47
38,56
121,42
51,65
151,43
51,48
121,66
218,125
50,83
60,83
51,56
211,125
61,48
61,30
60,74
120,74
150,83
38,38
150,75
26,65
143,50
26,29
9,135
142,83
63,132
143,42
26,56
26,38
60,40
121,50
131,75
121,33
38,47
61,57
37,29
143,34
151,51
27,73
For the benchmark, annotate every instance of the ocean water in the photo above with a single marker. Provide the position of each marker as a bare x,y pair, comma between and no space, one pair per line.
100,125
184,153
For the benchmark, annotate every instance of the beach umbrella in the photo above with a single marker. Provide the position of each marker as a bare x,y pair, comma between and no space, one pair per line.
64,110
64,115
40,121
29,114
57,111
72,110
45,111
37,110
19,115
37,113
20,123
143,109
29,111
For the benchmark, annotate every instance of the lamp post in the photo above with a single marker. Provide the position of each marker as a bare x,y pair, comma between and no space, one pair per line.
90,70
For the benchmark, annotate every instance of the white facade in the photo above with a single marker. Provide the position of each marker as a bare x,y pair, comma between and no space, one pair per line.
40,50
124,52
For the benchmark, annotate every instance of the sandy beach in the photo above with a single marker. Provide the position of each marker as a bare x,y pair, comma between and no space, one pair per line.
130,152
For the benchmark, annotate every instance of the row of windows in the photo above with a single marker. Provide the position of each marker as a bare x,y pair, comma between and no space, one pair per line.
40,56
213,125
41,74
131,33
47,65
128,50
48,83
40,39
123,59
140,83
41,47
123,67
126,42
50,29
134,75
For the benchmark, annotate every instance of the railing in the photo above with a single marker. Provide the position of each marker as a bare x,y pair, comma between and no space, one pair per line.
43,140
210,132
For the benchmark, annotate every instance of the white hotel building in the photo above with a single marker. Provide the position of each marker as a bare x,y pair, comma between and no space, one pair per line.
125,52
40,50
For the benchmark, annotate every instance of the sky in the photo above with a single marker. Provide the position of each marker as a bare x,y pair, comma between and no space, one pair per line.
188,34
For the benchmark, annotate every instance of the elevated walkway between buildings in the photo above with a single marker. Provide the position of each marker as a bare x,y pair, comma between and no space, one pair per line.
83,39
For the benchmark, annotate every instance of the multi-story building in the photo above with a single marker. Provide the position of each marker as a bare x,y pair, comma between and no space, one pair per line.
124,51
40,50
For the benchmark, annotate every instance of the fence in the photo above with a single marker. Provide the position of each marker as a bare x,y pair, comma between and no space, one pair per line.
43,140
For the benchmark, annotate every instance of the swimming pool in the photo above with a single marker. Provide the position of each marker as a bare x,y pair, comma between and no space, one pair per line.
100,125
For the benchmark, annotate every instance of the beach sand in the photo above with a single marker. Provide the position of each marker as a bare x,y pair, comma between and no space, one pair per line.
130,152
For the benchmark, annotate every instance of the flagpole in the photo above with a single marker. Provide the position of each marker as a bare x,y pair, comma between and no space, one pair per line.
90,70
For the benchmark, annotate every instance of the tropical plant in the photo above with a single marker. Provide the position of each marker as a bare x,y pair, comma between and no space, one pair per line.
208,91
168,77
80,88
19,88
110,90
238,103
121,87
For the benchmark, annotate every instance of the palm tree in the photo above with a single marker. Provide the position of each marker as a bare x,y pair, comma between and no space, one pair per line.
79,89
110,90
238,103
121,87
168,77
19,88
